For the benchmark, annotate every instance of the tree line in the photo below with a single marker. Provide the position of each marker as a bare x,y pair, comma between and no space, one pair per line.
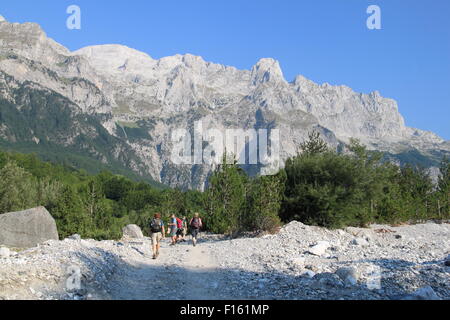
319,186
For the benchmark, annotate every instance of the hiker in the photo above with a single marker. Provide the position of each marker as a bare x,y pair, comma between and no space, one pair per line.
157,233
180,229
173,229
195,224
185,229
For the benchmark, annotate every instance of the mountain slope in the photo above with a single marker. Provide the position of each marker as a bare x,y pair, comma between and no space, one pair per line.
38,120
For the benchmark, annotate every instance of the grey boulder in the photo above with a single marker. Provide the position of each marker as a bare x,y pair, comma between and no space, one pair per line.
349,275
27,229
74,237
132,231
327,279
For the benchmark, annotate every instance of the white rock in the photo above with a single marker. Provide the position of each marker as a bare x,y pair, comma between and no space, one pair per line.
299,261
320,248
4,252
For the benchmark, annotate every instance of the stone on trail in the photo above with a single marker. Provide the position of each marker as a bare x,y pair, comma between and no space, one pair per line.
327,279
320,248
308,274
132,231
360,242
349,275
299,261
75,237
27,229
4,252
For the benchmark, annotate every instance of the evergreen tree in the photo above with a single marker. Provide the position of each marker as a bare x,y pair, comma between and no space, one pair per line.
443,192
17,189
416,190
225,198
314,144
92,196
69,214
264,198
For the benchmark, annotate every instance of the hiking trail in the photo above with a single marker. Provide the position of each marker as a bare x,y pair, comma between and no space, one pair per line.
180,272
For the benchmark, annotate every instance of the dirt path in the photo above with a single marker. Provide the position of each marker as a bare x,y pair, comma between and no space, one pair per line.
181,272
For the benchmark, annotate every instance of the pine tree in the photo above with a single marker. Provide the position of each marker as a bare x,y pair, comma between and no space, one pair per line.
417,188
225,198
264,198
443,192
69,214
314,144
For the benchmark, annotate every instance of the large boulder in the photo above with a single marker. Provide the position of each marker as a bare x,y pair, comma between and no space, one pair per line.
132,231
27,229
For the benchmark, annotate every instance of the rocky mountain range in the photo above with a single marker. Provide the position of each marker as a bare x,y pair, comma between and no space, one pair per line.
117,106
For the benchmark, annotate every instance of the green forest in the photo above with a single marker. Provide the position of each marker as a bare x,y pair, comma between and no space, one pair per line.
319,186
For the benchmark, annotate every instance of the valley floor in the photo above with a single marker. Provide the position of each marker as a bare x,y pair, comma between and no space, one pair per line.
381,262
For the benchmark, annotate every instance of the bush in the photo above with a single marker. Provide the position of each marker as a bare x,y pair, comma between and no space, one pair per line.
334,190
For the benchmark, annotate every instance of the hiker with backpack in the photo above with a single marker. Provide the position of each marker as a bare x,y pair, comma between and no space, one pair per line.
157,234
185,229
182,229
173,229
196,224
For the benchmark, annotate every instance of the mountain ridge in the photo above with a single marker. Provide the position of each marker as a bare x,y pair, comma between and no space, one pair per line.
140,100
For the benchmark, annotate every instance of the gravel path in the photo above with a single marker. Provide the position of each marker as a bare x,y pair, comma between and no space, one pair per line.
181,272
301,262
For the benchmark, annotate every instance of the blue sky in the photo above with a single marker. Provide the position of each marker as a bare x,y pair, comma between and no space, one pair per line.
324,40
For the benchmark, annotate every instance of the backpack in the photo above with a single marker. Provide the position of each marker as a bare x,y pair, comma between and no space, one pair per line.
179,223
195,224
155,225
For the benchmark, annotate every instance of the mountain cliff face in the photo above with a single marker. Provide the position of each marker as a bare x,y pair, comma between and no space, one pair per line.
136,102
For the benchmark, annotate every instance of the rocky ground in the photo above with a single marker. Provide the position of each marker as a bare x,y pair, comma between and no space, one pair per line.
301,262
